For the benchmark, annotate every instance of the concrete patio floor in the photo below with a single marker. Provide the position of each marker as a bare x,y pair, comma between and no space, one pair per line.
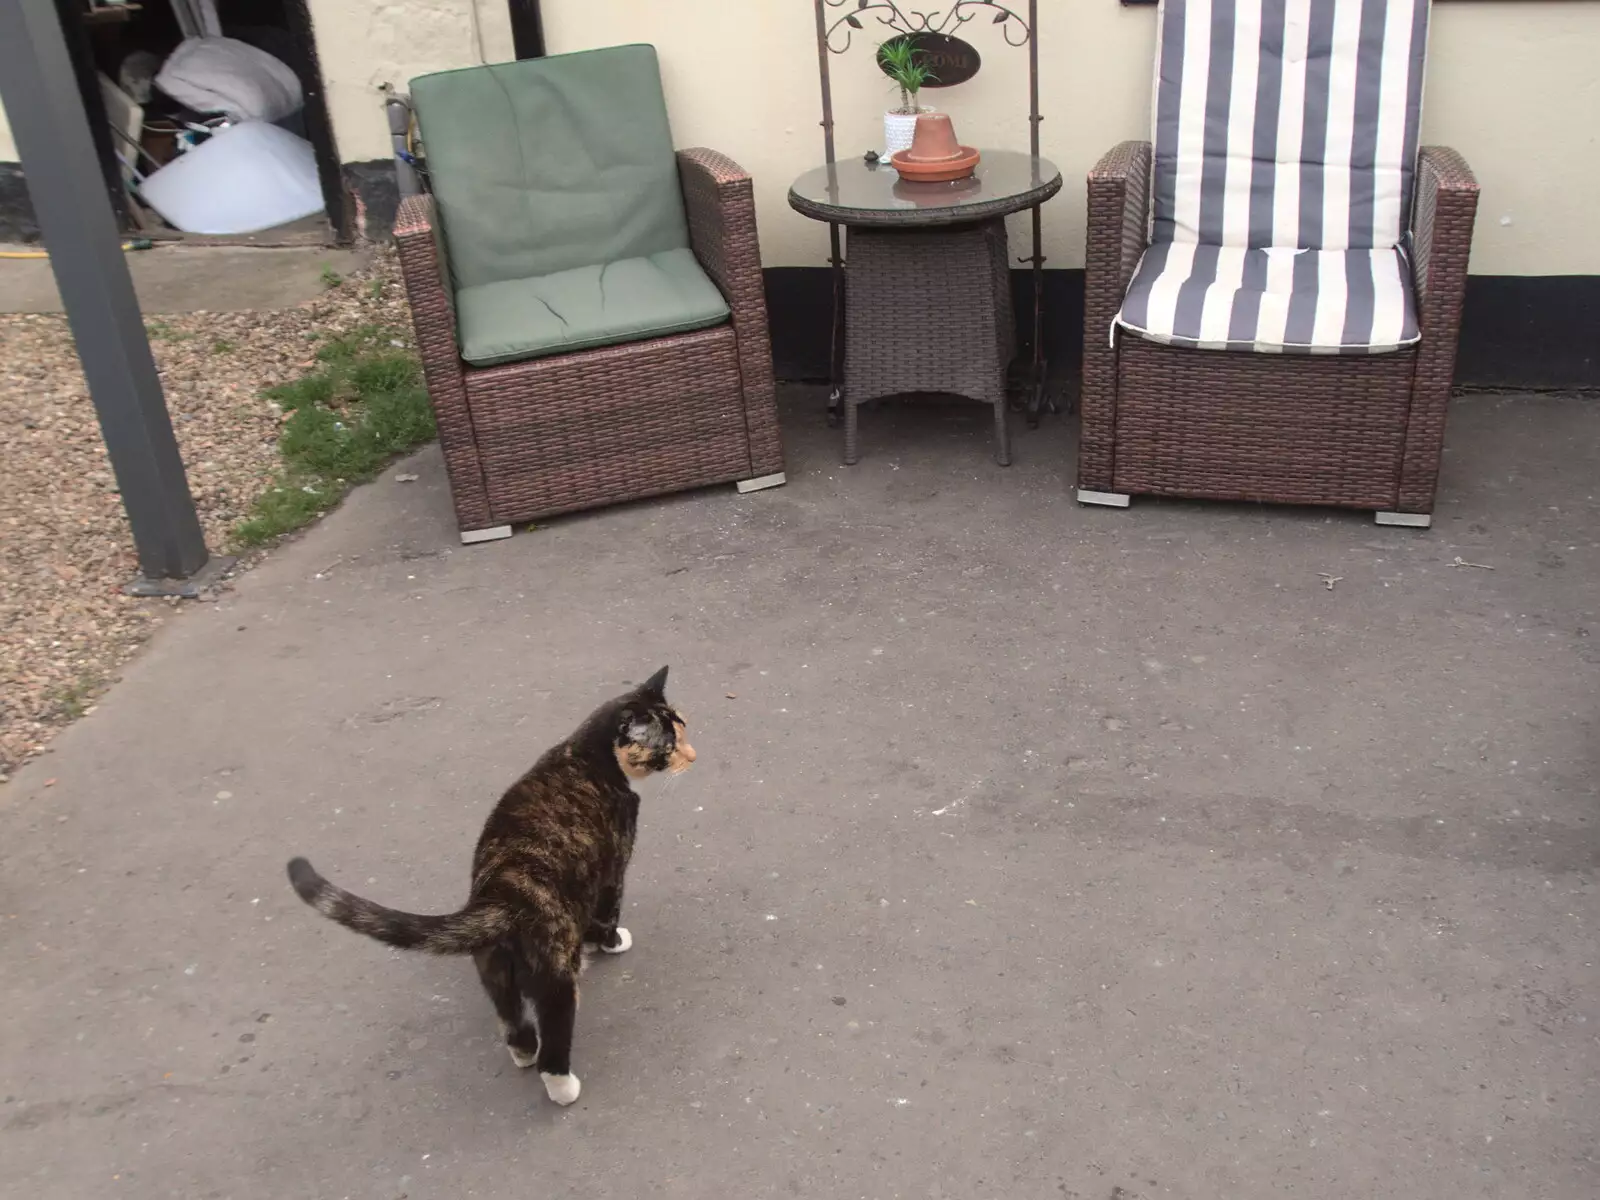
175,278
1038,851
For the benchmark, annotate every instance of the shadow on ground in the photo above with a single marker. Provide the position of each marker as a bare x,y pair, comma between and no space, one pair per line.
1039,851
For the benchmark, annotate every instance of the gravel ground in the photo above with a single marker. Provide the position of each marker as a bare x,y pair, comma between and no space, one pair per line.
65,549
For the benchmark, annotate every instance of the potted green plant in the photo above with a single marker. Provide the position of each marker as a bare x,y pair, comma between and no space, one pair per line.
905,63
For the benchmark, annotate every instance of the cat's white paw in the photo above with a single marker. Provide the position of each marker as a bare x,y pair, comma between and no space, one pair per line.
563,1089
624,942
521,1058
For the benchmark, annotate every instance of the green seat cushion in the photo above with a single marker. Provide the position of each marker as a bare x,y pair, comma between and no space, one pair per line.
515,319
550,164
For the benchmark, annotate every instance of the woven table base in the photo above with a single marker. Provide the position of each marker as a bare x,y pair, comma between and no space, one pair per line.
928,310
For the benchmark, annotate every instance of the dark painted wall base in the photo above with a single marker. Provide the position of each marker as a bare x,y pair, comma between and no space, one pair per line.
370,184
376,197
1518,331
1540,332
16,209
800,301
1531,331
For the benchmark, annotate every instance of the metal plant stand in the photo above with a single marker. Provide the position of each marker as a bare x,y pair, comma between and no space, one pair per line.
836,23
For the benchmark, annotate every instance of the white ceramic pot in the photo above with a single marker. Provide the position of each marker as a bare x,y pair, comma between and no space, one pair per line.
898,130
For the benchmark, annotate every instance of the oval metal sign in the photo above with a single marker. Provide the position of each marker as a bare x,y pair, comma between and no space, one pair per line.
951,60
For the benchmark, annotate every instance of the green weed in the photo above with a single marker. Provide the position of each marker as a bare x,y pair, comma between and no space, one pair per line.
163,331
72,701
365,404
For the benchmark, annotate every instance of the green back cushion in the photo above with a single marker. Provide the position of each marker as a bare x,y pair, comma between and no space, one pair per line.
551,163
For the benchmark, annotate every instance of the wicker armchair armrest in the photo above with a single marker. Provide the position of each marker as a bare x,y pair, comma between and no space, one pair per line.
1447,203
720,203
1119,205
1119,214
426,271
1441,239
426,267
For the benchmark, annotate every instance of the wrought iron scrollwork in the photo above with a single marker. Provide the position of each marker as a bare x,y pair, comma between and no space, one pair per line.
837,22
903,19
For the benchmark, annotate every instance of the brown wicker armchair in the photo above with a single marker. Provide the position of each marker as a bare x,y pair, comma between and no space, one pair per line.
563,431
1338,425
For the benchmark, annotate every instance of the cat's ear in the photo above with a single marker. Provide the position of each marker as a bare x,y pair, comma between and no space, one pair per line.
656,685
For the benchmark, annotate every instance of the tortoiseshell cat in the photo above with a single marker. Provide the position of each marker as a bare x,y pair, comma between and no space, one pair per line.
546,878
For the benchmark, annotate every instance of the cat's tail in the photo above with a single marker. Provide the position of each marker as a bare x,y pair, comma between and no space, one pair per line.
473,928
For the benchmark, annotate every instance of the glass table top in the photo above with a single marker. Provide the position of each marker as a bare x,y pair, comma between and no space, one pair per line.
854,192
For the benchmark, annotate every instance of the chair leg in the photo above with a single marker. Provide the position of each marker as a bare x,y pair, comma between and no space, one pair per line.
1107,499
851,410
1408,520
761,482
470,537
1002,433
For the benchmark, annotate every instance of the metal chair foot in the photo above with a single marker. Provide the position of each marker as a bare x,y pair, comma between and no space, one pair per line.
761,482
1107,499
1408,520
471,537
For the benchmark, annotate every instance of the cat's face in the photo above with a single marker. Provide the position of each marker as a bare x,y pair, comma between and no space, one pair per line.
651,736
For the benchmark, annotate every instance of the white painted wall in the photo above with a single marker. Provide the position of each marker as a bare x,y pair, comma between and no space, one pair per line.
364,44
1511,84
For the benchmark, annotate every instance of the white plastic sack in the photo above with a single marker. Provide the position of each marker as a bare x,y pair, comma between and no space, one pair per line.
218,74
248,177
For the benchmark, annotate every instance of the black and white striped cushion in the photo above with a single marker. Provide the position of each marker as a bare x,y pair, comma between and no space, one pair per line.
1282,126
1306,301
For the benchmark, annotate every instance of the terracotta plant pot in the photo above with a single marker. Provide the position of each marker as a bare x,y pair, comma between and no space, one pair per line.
934,139
935,155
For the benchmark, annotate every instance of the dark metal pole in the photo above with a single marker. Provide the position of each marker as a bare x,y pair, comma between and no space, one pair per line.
827,88
835,259
527,29
64,179
1037,398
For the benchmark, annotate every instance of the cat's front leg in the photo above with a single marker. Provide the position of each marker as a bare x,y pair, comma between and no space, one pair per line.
604,930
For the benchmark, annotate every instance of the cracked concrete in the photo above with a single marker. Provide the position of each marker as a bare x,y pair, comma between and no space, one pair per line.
1039,851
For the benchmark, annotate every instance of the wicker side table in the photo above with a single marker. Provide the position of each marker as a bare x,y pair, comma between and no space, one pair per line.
928,310
927,283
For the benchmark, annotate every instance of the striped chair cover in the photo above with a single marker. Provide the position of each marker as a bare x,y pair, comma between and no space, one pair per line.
1285,150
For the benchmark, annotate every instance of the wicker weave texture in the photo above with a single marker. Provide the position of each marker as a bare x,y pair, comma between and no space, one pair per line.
928,310
581,430
427,277
1119,201
574,431
722,228
1351,431
1292,429
1447,205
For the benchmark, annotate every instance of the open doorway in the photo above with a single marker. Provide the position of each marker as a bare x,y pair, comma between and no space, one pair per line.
211,118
